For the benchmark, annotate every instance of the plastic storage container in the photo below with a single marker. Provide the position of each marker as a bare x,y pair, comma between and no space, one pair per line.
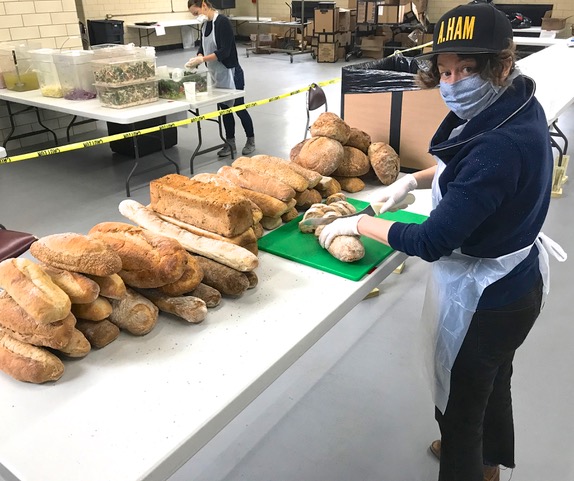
111,50
171,85
17,71
122,96
124,70
75,73
44,66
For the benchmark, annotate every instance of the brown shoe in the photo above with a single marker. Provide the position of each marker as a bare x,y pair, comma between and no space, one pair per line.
491,473
435,448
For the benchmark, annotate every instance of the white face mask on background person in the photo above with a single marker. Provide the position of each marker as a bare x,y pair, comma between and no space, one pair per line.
469,96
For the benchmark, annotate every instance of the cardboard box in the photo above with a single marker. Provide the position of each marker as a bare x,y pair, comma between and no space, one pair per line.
549,23
372,42
328,52
344,38
342,52
327,37
353,20
326,19
344,20
395,2
350,4
391,13
265,39
366,12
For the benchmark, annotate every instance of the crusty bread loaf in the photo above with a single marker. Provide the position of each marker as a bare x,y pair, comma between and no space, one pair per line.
335,198
258,229
331,125
328,186
385,162
290,215
192,276
226,280
78,346
346,248
294,152
99,334
79,288
270,223
148,259
253,279
359,139
350,184
98,310
278,170
17,323
242,239
77,253
209,295
34,291
224,252
208,206
259,182
308,198
112,287
313,178
270,206
321,154
354,164
192,309
134,313
28,363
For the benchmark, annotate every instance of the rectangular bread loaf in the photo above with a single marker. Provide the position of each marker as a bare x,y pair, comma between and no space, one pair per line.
208,206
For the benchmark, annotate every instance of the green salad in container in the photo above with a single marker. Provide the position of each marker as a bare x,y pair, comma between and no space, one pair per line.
173,89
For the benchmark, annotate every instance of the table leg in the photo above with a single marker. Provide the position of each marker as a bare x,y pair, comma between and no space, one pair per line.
73,122
12,114
137,157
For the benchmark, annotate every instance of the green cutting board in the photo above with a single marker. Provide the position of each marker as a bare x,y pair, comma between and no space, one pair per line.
289,242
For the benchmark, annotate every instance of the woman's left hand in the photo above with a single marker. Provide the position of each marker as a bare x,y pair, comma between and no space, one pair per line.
346,226
194,62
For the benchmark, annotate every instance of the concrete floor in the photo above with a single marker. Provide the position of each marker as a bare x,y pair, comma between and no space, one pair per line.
355,406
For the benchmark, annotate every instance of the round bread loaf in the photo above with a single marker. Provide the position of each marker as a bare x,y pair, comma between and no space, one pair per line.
331,125
351,184
385,162
295,150
77,253
355,163
359,139
322,155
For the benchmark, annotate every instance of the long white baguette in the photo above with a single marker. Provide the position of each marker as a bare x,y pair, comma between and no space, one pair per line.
223,252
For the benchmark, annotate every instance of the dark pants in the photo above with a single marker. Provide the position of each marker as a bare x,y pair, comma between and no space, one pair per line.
228,120
477,427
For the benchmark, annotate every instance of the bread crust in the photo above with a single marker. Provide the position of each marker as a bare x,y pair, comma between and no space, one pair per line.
359,139
190,308
191,278
308,198
209,295
355,163
251,180
98,310
351,184
204,205
148,259
78,346
280,171
331,125
385,162
80,289
28,363
16,322
321,154
226,280
77,253
134,313
112,287
99,334
34,291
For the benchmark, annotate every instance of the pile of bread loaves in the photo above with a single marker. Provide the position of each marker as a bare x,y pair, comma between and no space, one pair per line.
345,154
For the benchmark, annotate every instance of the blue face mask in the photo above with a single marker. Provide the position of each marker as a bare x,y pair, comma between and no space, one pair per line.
469,96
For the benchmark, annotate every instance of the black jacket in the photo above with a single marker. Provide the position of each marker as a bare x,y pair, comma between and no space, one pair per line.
225,39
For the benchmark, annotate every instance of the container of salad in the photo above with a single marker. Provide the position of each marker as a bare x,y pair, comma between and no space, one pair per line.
122,96
171,85
118,71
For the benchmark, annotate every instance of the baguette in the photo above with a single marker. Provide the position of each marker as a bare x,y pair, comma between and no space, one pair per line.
223,252
252,278
192,309
267,164
29,285
112,287
313,178
270,206
148,259
134,313
98,310
28,363
77,253
252,180
209,295
78,346
307,198
270,223
99,334
79,288
290,215
204,205
19,325
192,276
226,280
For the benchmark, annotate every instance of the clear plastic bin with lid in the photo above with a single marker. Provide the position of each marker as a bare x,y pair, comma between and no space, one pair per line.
75,74
16,67
45,68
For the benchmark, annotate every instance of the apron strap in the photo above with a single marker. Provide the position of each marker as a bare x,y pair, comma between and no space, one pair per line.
552,247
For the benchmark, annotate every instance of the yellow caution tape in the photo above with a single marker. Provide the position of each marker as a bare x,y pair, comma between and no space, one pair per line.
418,47
157,128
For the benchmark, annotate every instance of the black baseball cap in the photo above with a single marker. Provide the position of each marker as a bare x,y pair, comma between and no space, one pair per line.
468,29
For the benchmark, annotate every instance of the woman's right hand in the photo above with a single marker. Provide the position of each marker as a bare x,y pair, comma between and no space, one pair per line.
194,62
392,197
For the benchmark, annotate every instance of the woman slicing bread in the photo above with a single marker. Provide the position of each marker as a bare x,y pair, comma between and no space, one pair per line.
219,52
489,274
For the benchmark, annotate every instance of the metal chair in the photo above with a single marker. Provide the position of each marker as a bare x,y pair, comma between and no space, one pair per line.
315,99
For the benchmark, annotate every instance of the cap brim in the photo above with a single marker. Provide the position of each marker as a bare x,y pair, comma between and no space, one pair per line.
459,50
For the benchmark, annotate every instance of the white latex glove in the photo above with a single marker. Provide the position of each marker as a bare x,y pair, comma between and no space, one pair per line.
346,226
393,196
194,62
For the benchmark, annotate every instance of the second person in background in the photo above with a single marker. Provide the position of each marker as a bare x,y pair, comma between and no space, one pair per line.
219,52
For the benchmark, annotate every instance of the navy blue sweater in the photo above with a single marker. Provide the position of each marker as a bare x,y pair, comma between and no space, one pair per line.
495,190
226,51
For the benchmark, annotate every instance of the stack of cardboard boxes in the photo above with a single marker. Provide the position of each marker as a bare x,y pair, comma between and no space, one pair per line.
332,32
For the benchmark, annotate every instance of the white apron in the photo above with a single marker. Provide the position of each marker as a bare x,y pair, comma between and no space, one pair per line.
455,286
221,76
